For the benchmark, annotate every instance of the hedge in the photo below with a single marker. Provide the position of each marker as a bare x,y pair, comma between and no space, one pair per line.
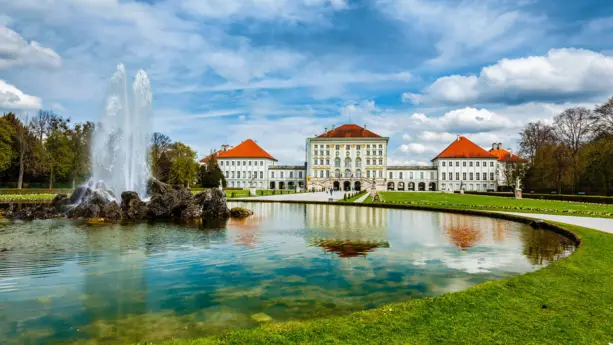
559,197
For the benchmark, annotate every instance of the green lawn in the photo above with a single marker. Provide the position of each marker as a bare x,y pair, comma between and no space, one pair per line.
495,203
568,302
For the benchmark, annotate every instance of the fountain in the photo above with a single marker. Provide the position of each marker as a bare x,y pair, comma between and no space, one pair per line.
121,186
121,140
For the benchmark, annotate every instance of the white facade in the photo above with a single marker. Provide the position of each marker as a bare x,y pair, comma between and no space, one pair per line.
346,163
470,174
354,162
242,172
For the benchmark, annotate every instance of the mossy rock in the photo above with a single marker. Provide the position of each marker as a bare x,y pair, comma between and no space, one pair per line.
240,212
261,317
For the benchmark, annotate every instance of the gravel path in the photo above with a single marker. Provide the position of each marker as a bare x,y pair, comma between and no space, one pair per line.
602,224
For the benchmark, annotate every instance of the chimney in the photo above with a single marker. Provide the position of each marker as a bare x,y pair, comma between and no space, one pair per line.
326,130
500,146
458,139
493,146
364,126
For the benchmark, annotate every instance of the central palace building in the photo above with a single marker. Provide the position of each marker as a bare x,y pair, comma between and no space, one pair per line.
350,157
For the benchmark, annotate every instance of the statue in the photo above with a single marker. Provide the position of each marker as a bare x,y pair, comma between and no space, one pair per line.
252,191
518,188
220,185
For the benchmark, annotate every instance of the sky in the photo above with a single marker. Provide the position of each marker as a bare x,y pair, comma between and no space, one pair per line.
278,71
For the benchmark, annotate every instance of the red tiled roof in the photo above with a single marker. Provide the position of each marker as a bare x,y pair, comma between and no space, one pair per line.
349,131
246,149
464,148
504,155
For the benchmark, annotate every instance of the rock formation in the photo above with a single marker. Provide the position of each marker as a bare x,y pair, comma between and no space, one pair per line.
165,202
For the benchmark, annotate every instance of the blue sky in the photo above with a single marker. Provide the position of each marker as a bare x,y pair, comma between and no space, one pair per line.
278,71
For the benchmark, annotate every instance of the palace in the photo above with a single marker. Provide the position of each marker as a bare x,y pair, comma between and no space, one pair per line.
350,157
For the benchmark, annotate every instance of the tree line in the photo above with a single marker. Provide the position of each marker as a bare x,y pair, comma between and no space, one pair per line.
47,150
573,154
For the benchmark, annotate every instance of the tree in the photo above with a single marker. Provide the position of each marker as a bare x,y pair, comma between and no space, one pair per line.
184,169
7,133
533,136
80,144
513,170
59,153
160,143
45,122
573,128
603,118
599,157
210,173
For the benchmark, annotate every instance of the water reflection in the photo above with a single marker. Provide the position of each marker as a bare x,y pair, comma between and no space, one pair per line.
67,281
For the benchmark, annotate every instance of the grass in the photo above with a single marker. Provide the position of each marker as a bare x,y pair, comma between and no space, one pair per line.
568,302
495,203
240,193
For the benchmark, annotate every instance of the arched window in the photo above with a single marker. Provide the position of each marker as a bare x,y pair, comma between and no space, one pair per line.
337,173
337,162
347,173
358,162
358,173
347,162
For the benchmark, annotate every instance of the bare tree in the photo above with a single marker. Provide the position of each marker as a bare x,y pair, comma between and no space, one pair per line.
533,136
573,128
23,144
160,143
603,118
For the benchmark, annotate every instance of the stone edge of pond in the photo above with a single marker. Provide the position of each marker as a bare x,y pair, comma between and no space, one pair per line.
540,224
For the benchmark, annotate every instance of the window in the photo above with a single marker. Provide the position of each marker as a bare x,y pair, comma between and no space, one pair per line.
492,176
484,176
457,176
491,164
358,146
457,164
347,147
380,161
368,162
477,176
470,176
421,175
316,146
338,147
484,164
368,173
315,153
327,173
477,164
358,173
321,162
261,163
347,162
401,175
291,174
227,173
443,177
463,176
314,161
380,153
281,174
380,173
261,174
358,162
238,174
233,174
232,163
380,146
327,161
464,163
337,162
249,174
221,163
272,174
367,146
300,174
432,175
391,174
411,175
470,164
337,173
443,163
367,153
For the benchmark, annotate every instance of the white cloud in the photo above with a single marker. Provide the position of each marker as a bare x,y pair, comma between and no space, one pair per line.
400,161
406,137
560,75
415,148
436,136
15,52
463,120
11,98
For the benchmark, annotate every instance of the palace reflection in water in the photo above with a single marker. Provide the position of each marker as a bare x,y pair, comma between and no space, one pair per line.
67,282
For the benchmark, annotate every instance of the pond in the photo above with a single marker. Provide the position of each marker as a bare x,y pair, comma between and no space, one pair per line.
69,282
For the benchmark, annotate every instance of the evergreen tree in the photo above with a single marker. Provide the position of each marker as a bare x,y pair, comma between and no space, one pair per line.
211,174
